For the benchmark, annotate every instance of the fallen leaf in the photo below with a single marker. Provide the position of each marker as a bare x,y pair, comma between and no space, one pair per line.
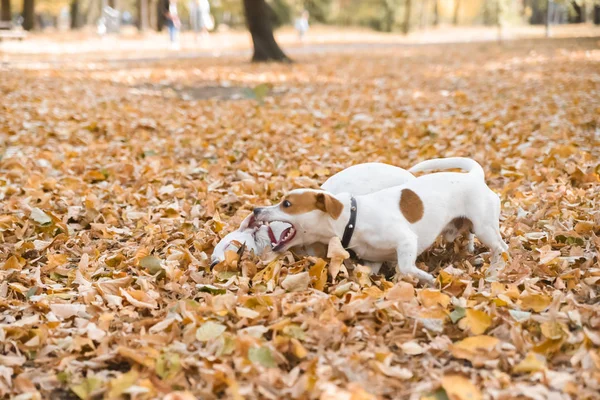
262,356
296,282
535,302
533,362
476,321
209,330
40,217
431,297
458,387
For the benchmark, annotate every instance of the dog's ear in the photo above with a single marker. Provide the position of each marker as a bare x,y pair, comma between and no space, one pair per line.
246,222
329,204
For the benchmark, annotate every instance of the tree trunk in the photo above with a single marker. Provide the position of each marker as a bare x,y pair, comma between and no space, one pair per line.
548,17
142,17
423,14
259,25
456,12
499,19
75,14
5,13
113,4
597,14
28,14
407,12
160,14
436,13
579,16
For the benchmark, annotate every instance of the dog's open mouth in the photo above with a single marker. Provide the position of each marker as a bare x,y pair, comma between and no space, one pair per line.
280,232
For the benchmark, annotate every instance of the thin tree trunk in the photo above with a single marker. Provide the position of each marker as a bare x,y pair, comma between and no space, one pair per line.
160,14
87,14
548,17
423,13
456,12
5,13
407,12
259,25
436,13
75,14
142,17
388,20
28,14
499,19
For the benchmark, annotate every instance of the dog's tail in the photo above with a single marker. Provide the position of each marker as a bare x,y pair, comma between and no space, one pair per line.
466,164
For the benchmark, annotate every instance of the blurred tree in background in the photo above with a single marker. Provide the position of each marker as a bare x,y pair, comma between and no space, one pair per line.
382,15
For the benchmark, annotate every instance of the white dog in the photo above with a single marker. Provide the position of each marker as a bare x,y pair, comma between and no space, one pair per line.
358,180
396,223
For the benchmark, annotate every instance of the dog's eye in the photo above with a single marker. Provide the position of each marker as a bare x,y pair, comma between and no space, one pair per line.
286,204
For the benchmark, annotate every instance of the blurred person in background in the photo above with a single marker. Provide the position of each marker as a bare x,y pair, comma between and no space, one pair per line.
173,23
200,17
301,25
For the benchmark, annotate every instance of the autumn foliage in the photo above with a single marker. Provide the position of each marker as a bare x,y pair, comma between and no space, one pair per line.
117,180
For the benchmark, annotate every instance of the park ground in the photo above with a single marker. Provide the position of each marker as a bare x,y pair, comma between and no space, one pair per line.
118,178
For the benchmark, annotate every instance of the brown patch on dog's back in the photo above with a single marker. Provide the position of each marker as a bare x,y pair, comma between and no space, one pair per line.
411,206
310,201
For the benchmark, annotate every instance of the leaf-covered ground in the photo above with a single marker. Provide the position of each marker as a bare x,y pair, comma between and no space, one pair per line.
117,180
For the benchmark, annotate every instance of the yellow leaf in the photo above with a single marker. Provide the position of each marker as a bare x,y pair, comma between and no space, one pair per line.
94,176
535,302
55,260
533,362
476,349
14,262
293,174
458,387
318,274
297,348
476,321
553,330
584,227
120,384
431,297
401,291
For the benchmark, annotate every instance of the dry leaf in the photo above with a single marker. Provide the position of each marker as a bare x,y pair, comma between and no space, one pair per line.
458,387
476,321
296,282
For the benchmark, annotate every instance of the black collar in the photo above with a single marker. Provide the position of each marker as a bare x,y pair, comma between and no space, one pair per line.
350,226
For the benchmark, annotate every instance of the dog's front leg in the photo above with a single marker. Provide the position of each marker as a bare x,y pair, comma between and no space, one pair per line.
374,266
407,257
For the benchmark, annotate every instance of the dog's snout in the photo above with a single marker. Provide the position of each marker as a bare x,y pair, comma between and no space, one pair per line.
257,211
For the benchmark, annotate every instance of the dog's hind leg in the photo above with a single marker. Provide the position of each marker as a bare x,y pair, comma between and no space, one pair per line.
490,237
407,257
471,242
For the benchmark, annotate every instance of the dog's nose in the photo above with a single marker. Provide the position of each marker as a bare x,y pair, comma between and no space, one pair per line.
257,211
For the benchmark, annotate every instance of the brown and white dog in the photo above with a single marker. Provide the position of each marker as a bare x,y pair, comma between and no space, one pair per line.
397,223
357,180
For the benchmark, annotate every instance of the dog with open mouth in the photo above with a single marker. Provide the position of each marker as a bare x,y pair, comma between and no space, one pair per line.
358,179
396,223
